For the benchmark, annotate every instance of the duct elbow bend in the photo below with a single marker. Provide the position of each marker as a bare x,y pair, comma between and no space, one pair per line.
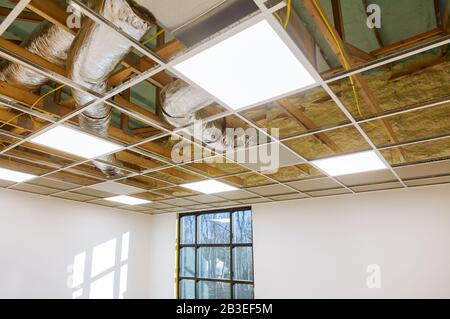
94,56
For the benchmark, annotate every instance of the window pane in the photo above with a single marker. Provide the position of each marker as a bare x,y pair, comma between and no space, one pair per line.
187,289
187,230
243,263
242,227
214,290
214,262
187,265
214,228
243,291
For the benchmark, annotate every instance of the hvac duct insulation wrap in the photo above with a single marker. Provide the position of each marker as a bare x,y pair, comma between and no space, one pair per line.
95,54
51,43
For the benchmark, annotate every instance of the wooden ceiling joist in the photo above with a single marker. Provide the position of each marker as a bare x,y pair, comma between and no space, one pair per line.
446,18
359,55
408,42
340,51
308,124
24,53
23,16
53,12
338,18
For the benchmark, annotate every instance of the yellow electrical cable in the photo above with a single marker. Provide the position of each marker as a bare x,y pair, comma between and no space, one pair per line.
157,34
34,105
346,63
288,15
45,95
278,17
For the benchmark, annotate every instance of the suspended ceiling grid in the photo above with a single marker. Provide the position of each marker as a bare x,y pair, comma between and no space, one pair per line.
411,90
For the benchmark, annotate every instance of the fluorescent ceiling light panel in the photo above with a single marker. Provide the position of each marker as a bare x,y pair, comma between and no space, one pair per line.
75,142
252,66
127,200
351,164
14,176
117,188
210,187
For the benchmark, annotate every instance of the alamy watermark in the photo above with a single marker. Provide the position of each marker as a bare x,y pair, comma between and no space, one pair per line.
73,20
374,16
373,280
235,145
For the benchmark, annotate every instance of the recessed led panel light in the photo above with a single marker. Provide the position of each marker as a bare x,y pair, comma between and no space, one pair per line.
127,200
351,164
210,187
75,142
252,66
14,176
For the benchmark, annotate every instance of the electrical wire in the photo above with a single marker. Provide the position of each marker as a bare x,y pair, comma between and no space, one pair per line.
153,37
346,64
34,106
288,15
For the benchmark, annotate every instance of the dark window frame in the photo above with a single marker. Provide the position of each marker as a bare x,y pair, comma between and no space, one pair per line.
196,246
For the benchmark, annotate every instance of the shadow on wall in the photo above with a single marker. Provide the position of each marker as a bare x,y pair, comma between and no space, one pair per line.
100,272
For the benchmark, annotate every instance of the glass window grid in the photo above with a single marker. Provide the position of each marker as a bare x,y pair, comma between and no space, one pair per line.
233,282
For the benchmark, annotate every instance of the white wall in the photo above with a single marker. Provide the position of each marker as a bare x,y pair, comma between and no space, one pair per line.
320,248
41,237
162,259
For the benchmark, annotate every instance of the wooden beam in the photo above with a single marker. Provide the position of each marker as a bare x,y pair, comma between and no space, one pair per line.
446,25
408,42
345,59
437,12
120,76
135,159
338,18
23,16
131,106
56,14
145,131
416,68
51,11
181,174
301,35
20,166
358,55
19,94
24,53
308,124
19,122
139,65
124,118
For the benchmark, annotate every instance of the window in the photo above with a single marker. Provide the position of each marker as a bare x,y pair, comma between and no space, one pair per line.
216,255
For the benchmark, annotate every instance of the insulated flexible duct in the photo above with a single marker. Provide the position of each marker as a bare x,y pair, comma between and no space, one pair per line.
95,54
180,105
51,43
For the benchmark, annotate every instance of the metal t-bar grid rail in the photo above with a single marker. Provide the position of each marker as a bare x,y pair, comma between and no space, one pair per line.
161,65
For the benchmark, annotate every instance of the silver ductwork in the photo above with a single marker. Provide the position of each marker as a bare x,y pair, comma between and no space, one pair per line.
95,54
90,58
181,104
51,43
